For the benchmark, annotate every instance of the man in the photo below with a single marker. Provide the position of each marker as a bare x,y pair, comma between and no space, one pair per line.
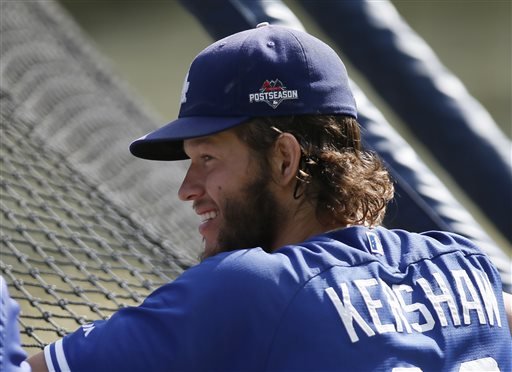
296,274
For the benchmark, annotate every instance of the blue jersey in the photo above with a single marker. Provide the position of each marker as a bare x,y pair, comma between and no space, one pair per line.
355,299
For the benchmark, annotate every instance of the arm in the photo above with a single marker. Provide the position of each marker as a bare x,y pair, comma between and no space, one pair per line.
143,338
37,362
507,299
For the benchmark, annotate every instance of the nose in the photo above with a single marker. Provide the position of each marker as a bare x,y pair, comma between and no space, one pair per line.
191,188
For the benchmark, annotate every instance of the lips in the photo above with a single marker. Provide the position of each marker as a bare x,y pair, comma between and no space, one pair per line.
210,215
207,215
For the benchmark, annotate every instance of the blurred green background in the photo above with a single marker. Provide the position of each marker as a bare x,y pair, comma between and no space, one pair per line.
151,43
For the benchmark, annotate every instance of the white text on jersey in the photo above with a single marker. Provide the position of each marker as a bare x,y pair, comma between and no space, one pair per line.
463,300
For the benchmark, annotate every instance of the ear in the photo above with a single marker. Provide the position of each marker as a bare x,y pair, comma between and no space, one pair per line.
286,159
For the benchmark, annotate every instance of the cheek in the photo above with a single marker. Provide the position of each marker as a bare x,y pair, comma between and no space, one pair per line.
222,182
215,188
226,183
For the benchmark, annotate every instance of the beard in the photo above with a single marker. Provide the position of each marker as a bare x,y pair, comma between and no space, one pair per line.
251,218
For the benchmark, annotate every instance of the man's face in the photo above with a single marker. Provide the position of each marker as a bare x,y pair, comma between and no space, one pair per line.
231,193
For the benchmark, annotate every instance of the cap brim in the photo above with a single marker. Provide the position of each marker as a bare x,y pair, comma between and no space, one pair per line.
166,143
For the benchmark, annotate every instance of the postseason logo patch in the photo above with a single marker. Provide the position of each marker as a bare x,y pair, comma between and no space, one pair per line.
273,92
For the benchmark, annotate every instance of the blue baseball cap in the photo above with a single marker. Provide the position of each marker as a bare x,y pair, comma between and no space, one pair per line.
265,71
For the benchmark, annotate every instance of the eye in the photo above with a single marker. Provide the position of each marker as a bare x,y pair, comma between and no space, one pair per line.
206,158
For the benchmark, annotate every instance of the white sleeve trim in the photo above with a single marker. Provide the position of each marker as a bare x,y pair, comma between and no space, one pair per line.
62,363
48,358
61,358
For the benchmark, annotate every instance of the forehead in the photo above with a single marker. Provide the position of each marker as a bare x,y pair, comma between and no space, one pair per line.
226,139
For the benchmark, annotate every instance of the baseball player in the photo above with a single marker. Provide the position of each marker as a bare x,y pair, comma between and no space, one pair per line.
297,273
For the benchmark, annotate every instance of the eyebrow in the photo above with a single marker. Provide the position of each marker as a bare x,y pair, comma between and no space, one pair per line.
198,140
194,142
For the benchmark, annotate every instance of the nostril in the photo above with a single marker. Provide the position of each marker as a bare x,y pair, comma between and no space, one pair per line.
190,190
185,193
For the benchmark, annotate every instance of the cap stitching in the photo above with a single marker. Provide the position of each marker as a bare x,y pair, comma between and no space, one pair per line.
306,59
239,89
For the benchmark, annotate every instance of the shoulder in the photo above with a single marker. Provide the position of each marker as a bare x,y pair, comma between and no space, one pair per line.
239,278
427,244
242,264
440,239
400,248
238,270
224,276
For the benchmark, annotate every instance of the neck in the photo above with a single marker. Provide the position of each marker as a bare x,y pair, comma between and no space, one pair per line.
299,226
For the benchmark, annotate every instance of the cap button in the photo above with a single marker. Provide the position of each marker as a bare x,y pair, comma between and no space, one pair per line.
262,24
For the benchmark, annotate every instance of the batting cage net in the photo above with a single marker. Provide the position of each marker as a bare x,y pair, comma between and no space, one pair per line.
68,254
80,237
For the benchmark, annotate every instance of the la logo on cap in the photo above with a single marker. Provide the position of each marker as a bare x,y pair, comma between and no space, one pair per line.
184,90
273,92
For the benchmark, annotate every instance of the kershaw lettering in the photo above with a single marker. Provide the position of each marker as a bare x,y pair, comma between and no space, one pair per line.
376,294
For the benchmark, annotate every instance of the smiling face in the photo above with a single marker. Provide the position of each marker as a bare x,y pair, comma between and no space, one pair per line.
231,192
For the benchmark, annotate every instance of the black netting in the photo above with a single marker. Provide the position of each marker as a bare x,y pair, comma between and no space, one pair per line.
68,255
82,232
79,108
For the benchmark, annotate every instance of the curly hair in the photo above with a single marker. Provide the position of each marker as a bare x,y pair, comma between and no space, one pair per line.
350,186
